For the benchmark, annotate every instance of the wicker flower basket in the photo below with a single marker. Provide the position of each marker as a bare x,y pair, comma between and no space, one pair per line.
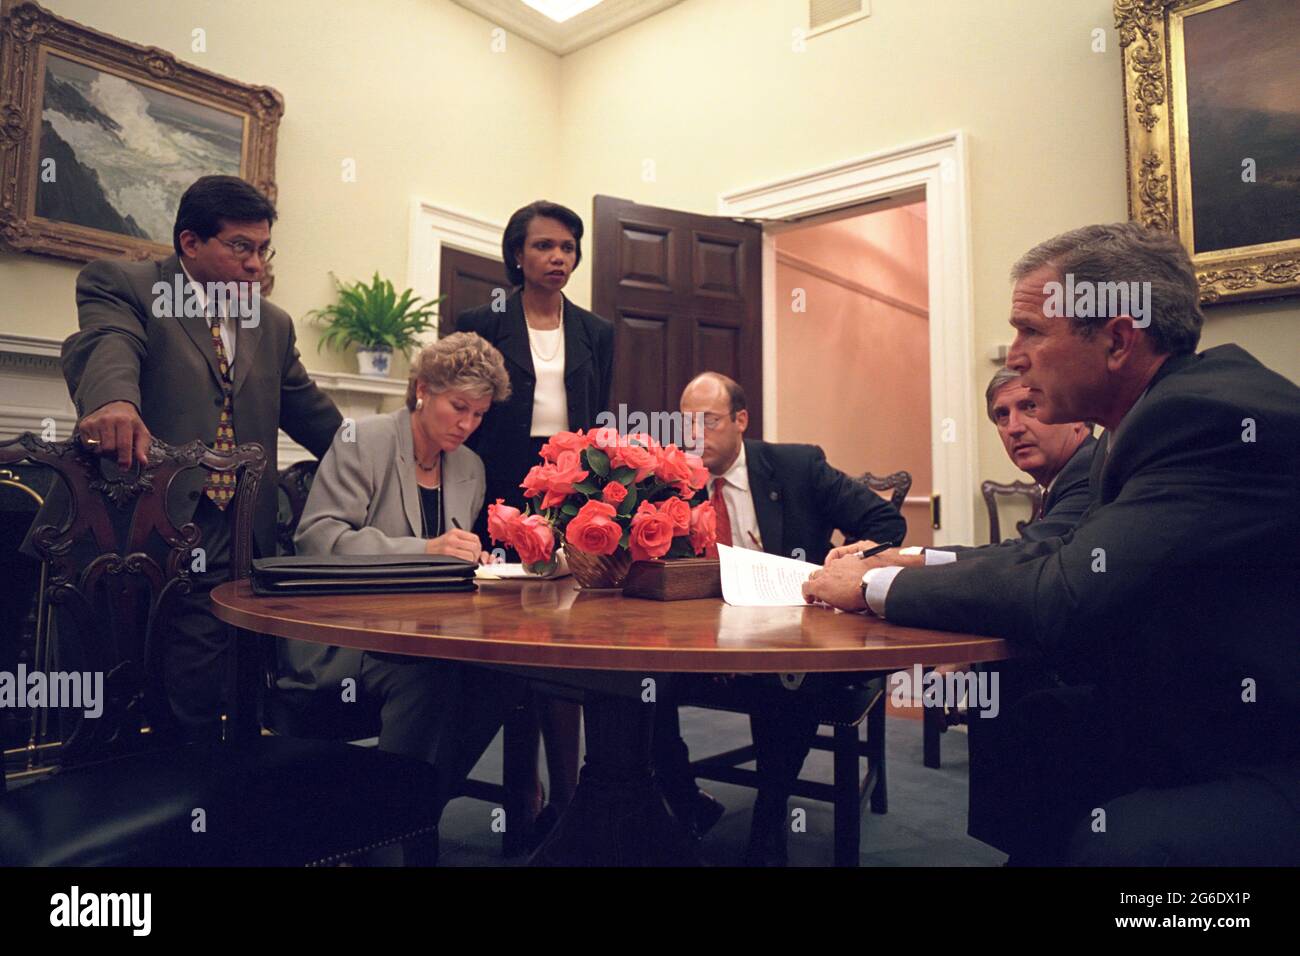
598,570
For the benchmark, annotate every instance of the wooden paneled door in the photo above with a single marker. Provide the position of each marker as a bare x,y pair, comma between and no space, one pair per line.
468,281
684,292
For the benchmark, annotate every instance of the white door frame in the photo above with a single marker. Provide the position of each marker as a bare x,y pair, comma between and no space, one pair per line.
432,227
939,167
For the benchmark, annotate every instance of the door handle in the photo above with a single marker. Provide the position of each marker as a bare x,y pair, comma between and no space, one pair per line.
936,515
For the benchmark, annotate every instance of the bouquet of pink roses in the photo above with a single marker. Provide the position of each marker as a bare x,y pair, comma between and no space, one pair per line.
599,492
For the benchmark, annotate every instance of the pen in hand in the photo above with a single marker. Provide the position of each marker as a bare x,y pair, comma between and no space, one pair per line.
872,552
456,524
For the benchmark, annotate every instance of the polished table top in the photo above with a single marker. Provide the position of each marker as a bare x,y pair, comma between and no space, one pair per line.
554,624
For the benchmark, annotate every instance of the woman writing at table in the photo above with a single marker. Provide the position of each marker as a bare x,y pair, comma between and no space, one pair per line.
560,359
404,483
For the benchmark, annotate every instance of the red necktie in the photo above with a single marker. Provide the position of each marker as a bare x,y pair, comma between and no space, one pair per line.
724,517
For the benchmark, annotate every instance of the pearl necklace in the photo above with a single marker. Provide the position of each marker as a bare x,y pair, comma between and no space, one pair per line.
559,340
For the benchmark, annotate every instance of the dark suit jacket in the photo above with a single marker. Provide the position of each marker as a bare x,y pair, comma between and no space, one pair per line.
502,441
167,368
799,500
1063,507
1179,584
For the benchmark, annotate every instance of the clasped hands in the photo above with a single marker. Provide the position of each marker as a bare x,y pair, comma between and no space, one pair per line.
839,581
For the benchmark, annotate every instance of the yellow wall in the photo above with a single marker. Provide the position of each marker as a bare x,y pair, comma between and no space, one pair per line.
710,90
713,92
410,89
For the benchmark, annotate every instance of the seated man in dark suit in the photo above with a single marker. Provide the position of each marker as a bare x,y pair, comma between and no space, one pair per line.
1175,593
783,499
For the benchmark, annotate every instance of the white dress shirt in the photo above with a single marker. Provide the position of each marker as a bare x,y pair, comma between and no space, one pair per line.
740,504
227,322
550,399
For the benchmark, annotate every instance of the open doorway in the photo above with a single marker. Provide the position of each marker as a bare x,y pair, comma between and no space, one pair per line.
853,343
935,169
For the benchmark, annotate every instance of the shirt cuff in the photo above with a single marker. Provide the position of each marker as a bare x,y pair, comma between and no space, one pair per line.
875,587
933,557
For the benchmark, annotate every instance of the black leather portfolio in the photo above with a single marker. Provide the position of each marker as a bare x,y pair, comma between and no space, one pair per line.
362,574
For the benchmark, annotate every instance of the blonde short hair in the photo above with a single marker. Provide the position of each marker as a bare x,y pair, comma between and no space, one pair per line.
464,361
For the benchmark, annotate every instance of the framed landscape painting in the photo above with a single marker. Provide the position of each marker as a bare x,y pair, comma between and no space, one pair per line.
100,137
1213,136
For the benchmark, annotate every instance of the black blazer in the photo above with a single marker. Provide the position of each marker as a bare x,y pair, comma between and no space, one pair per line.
503,440
800,499
1179,583
1063,508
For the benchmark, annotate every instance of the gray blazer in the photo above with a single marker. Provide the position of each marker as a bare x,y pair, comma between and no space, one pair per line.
365,500
167,368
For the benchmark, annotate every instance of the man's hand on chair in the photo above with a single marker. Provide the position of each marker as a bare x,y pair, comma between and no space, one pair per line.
117,429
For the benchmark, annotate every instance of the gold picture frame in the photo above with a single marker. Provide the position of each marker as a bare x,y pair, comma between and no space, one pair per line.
99,137
1168,56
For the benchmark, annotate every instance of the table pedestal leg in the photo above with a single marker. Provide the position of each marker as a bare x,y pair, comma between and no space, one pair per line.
617,816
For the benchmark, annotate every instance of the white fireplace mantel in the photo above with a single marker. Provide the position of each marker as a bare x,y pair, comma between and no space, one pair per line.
33,393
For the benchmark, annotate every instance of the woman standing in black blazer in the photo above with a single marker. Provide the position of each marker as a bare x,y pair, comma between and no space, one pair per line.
560,359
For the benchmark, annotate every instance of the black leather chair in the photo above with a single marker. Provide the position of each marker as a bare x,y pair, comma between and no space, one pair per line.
123,794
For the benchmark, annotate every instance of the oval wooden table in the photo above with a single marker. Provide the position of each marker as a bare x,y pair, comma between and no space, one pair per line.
607,645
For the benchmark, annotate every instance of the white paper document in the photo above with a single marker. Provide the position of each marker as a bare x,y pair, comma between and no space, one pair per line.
758,579
514,572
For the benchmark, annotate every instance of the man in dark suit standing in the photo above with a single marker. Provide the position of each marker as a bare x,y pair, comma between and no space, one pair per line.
782,499
187,349
1176,590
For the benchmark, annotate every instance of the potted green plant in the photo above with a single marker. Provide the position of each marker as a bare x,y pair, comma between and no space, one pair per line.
374,318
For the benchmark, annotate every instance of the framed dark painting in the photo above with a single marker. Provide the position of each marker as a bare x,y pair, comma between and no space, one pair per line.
1213,136
100,137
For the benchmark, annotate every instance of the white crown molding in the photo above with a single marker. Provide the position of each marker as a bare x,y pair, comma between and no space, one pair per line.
586,28
434,226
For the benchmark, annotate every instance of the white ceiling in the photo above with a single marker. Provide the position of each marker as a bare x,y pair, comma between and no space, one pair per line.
600,21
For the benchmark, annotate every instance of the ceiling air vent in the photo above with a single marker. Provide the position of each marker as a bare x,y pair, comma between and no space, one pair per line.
827,15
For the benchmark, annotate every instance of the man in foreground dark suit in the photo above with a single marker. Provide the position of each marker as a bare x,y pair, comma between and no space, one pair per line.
1175,594
783,499
186,349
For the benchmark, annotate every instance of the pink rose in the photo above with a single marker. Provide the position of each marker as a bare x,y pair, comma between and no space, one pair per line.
699,476
652,532
680,512
638,457
554,482
672,467
615,493
604,437
704,528
533,539
501,520
594,530
564,441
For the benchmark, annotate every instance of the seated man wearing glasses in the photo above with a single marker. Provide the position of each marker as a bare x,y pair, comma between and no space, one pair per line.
182,349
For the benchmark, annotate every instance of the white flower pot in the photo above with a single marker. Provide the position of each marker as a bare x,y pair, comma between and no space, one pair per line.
375,362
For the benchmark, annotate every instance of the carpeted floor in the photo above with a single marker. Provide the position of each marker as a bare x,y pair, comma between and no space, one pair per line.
925,825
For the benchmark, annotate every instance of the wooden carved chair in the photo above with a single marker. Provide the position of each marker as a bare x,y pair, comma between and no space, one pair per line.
847,709
129,791
937,720
292,488
898,485
992,490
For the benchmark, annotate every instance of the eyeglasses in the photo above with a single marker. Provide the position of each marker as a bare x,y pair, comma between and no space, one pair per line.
243,249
